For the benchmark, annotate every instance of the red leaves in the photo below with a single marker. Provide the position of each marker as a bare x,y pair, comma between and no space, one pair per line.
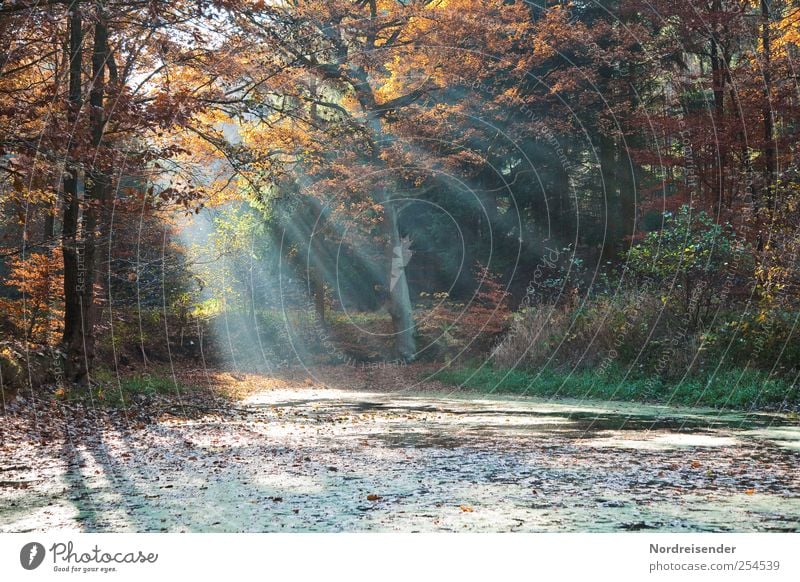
477,322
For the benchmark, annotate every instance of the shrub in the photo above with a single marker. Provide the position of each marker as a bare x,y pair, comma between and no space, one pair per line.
692,263
470,328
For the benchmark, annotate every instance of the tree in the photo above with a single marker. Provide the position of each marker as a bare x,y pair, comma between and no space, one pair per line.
362,73
83,135
38,278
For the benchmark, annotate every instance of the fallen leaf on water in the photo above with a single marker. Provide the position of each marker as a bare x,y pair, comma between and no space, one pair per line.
466,508
696,464
373,497
749,491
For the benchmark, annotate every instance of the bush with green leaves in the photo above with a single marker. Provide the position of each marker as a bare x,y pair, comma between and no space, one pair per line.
693,263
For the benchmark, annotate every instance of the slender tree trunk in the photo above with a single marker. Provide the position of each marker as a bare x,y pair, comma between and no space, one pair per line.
97,184
399,296
399,299
80,340
627,178
557,221
770,166
718,88
49,227
317,273
613,208
72,337
628,172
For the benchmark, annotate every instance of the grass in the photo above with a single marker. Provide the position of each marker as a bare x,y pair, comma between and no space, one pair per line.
730,389
110,392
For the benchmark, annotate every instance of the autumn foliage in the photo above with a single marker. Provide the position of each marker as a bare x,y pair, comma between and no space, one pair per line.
187,156
38,311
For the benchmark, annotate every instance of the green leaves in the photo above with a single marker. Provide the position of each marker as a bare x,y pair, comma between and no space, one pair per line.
690,245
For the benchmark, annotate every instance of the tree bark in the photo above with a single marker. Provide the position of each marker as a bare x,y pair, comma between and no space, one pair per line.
399,296
79,293
317,274
613,214
718,71
770,167
72,337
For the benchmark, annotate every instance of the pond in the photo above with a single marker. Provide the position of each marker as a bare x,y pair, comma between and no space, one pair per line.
314,459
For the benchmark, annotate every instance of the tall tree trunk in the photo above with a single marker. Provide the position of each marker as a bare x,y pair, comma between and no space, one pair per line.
80,340
558,219
72,337
718,87
399,296
770,166
628,178
399,299
97,183
613,214
317,273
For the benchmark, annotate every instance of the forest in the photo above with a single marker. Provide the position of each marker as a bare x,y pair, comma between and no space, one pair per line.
211,208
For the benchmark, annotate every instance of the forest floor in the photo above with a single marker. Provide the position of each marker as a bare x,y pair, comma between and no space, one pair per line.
345,449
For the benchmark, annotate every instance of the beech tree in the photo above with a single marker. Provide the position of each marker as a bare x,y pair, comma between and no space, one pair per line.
364,73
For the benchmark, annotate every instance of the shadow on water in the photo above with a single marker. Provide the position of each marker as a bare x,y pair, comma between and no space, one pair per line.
583,421
100,505
78,492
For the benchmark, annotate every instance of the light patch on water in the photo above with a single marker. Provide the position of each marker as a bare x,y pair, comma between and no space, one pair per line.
293,395
787,437
660,442
297,484
510,421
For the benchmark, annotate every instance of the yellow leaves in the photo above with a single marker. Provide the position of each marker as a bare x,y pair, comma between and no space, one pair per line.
394,86
466,508
542,48
749,491
349,102
786,33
